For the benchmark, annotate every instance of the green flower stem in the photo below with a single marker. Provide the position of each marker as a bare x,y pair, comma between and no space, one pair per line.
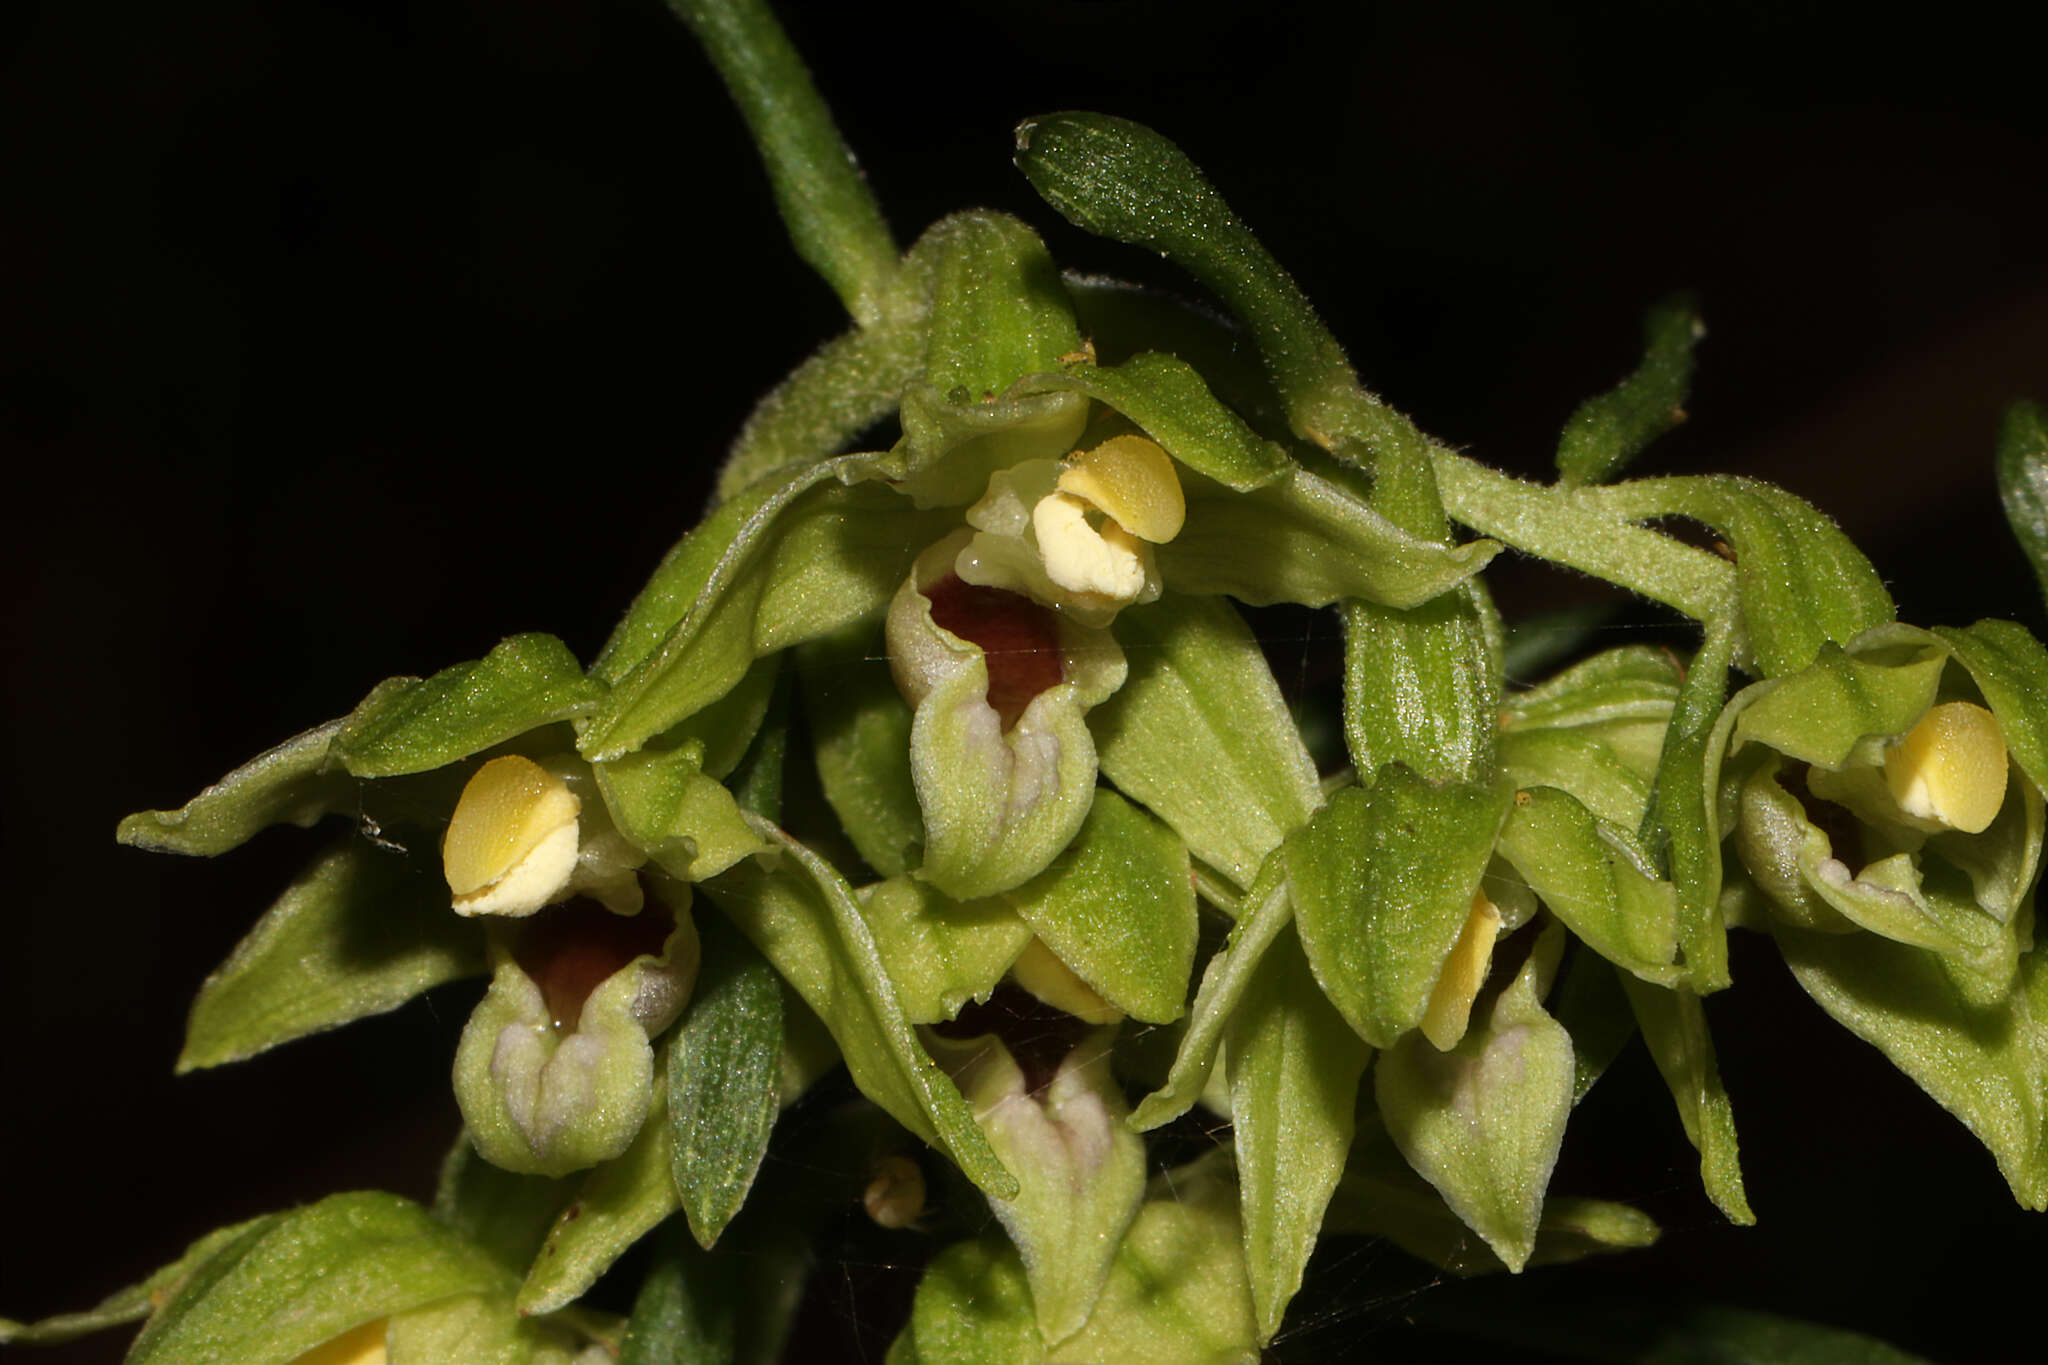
1563,526
833,219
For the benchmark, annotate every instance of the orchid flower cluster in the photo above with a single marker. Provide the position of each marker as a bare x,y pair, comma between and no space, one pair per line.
954,760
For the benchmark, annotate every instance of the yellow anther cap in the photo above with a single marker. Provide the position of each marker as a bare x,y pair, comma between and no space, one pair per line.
1450,1003
362,1345
1950,768
1132,480
1052,981
512,837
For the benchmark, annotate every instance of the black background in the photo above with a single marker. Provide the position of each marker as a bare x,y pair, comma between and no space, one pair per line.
340,340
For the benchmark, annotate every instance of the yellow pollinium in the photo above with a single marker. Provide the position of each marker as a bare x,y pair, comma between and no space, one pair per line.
512,838
1040,972
363,1345
1132,480
1950,768
1450,1004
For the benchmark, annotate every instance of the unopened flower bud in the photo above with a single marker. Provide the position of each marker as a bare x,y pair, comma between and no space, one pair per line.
1450,1002
1950,768
511,844
894,1196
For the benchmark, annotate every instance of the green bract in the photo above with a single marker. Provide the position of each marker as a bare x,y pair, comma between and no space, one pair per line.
959,762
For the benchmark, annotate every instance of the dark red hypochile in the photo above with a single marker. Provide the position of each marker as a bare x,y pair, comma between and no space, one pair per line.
570,950
1038,1035
1019,638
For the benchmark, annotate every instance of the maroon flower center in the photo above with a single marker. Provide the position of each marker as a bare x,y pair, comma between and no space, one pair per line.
1019,639
570,950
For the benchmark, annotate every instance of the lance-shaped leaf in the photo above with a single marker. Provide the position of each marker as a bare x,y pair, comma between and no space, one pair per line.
688,823
833,219
296,1280
1002,791
1674,1024
938,952
1294,1071
1176,1293
1382,880
359,932
1118,907
1080,1169
1201,735
805,920
1608,431
294,783
1266,911
1380,1195
413,726
724,1062
1682,820
1594,881
2023,481
135,1302
554,1071
617,1204
1169,401
1483,1122
973,1306
793,557
1801,582
1310,539
1421,688
860,726
1987,1065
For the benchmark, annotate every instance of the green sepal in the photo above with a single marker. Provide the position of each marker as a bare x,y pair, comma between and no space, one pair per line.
1674,1025
1080,1169
1265,911
1483,1122
1167,399
1595,730
1201,735
1421,688
501,1213
293,783
414,726
1683,821
295,1280
1118,907
479,1329
973,1307
805,920
2023,481
1822,713
135,1302
1801,583
1380,1195
1382,880
2010,668
998,804
1606,432
546,1101
860,728
1310,539
1595,881
618,1203
848,385
1589,1002
793,557
361,931
940,953
999,309
1176,1292
953,443
1294,1072
1985,1064
688,823
724,1061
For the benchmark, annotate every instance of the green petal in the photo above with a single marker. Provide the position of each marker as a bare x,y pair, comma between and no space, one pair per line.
940,953
689,824
504,1214
294,783
1168,400
1594,881
135,1302
1822,713
860,725
999,310
1674,1024
361,931
410,726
